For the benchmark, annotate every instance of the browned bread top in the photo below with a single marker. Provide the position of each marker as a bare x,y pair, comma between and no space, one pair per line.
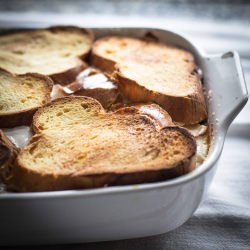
153,71
55,51
158,115
162,119
132,50
21,96
78,145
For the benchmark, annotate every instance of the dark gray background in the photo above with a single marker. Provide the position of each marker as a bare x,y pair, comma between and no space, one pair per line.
219,9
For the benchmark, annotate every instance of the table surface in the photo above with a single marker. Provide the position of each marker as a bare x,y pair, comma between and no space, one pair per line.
222,221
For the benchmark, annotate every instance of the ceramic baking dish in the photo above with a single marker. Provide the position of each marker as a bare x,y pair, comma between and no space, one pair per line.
114,213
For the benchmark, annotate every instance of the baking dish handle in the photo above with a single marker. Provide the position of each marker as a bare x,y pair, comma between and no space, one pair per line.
228,88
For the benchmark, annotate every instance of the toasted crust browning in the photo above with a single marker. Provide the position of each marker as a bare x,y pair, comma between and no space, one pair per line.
57,52
158,115
149,71
21,96
98,149
162,119
182,109
8,154
25,179
76,144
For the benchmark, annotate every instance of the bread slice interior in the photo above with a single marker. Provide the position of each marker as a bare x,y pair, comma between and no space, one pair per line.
21,96
78,145
57,52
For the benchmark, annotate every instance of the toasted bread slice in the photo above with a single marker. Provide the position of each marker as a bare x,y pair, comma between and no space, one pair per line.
162,119
56,52
78,145
21,96
155,72
8,154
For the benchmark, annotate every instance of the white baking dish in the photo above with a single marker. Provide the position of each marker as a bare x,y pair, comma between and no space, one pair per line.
114,213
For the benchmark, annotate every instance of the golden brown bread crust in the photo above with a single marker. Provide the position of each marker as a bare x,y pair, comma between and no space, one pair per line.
25,180
69,75
24,117
183,109
135,128
89,32
105,64
8,154
30,180
187,108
